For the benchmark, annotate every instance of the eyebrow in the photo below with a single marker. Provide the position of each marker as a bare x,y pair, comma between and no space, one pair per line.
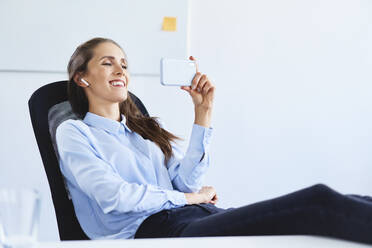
112,57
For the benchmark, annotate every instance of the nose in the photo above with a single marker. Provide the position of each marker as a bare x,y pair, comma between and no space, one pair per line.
118,70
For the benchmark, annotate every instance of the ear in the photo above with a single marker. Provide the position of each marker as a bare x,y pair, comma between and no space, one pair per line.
77,79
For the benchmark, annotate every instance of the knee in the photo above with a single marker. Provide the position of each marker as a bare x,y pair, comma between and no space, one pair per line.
320,187
322,193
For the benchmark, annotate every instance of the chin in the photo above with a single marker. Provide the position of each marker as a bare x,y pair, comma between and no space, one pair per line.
122,98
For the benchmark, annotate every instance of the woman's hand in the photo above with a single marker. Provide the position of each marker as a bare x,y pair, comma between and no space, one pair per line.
206,194
209,193
201,89
202,94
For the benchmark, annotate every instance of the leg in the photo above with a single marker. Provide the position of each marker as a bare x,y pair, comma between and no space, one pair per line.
317,210
365,198
169,223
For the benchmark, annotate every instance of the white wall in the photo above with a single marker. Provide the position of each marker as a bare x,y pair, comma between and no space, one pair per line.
293,95
292,104
136,25
20,161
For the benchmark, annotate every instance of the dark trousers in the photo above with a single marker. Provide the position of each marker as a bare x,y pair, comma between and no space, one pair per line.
316,210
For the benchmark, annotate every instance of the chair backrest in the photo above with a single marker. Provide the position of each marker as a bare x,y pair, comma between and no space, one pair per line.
41,101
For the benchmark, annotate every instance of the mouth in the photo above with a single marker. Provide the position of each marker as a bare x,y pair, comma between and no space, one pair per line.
118,83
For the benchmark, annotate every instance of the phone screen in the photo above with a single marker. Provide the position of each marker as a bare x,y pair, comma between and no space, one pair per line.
177,72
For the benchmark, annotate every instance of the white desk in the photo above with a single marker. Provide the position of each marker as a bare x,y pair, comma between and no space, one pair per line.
215,242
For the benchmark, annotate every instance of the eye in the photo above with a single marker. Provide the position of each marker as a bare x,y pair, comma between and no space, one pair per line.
106,63
124,66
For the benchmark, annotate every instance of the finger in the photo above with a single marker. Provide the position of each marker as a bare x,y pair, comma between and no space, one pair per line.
210,93
188,89
196,64
195,81
203,80
185,87
206,87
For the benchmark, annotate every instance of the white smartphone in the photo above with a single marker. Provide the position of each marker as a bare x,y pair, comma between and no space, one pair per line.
177,72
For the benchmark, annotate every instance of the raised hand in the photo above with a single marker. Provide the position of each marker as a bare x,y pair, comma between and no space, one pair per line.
201,90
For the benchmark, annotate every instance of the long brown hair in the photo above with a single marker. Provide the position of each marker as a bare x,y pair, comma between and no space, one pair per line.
145,126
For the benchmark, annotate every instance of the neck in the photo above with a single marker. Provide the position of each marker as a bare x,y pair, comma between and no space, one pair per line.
108,111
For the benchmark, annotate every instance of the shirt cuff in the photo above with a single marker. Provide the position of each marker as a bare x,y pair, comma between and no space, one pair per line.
177,198
200,138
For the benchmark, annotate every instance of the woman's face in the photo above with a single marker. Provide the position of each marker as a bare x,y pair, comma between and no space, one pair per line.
107,75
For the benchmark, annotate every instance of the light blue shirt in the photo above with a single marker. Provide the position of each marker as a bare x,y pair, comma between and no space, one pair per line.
116,179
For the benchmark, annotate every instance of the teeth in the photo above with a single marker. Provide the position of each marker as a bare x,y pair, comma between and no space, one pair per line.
117,83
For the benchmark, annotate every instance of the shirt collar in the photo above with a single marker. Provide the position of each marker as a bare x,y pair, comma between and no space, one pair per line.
105,123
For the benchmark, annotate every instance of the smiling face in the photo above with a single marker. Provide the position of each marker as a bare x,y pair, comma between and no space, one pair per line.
107,76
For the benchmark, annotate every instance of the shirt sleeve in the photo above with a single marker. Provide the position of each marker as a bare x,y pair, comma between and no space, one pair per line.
82,166
187,170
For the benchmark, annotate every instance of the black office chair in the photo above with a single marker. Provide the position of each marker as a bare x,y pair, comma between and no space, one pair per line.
40,104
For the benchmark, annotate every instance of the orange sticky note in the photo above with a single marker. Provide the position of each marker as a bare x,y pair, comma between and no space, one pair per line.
169,24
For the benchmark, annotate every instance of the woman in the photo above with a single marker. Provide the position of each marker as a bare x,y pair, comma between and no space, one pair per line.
128,179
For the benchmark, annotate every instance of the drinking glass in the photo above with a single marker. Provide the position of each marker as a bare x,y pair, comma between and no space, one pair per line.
19,217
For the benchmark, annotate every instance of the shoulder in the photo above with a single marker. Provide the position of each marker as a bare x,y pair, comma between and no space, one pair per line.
70,125
71,128
73,138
